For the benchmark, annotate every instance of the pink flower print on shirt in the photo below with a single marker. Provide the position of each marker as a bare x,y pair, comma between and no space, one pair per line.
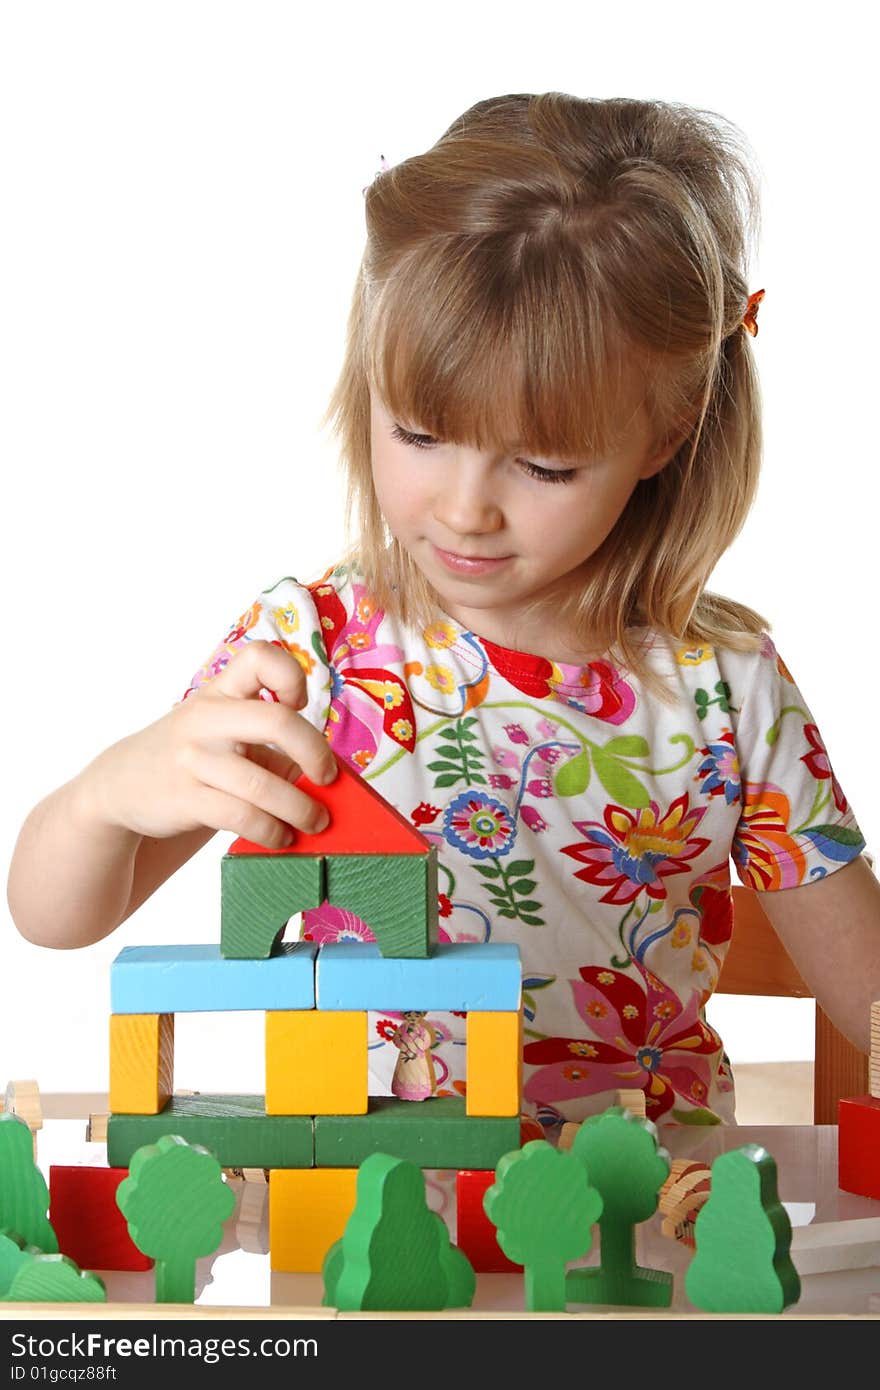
641,1036
328,923
540,786
636,850
367,698
516,733
818,762
533,819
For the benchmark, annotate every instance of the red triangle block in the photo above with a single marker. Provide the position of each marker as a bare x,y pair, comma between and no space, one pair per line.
361,822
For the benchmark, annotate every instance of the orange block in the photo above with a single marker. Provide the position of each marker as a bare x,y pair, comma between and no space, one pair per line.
308,1210
316,1062
494,1063
141,1063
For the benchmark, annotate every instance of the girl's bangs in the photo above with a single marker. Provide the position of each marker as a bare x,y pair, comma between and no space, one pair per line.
460,349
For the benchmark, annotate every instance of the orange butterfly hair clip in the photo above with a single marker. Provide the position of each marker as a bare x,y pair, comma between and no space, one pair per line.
750,317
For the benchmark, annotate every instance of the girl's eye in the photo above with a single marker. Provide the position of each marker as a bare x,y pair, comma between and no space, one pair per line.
534,470
548,475
421,441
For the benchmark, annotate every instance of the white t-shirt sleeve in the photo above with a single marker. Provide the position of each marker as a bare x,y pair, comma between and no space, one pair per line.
795,822
286,615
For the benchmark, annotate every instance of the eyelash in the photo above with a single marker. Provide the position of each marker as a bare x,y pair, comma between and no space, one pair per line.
534,470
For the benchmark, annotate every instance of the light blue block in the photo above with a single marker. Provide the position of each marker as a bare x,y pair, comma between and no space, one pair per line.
197,979
485,975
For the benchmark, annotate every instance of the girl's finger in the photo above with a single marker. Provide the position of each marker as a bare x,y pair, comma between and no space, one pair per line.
260,665
220,811
254,722
256,787
274,760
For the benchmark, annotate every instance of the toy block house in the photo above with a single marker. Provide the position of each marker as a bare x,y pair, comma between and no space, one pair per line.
316,1122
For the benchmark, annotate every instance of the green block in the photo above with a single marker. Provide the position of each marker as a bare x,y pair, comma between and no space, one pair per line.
434,1133
395,894
236,1130
259,893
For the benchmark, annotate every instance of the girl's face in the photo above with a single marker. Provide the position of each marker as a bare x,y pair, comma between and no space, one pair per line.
491,532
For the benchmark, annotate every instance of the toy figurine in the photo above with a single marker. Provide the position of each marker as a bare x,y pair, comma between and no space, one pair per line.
414,1077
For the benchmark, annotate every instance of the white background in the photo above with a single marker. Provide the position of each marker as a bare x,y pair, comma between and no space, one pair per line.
181,220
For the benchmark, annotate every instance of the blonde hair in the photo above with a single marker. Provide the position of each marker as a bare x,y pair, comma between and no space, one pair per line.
545,253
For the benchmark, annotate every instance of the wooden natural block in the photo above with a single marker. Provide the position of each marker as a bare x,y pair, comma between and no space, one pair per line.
632,1100
858,1145
395,1252
236,1128
875,1051
463,976
198,979
475,1234
494,1063
395,894
91,1229
742,1262
316,1063
141,1063
361,822
259,893
684,1192
308,1209
434,1134
23,1099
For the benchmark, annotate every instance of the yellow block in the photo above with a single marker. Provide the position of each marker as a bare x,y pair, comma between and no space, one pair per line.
494,1063
316,1062
141,1063
308,1211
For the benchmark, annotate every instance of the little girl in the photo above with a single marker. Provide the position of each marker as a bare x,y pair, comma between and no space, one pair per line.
549,415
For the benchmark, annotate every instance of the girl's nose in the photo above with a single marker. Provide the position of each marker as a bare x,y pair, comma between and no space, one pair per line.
468,504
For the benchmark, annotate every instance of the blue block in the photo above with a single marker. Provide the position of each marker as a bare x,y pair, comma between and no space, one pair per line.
197,979
465,975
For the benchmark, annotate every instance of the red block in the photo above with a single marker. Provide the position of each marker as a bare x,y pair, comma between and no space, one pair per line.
89,1225
858,1145
475,1234
361,822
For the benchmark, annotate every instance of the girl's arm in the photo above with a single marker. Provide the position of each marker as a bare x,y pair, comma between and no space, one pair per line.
831,930
74,878
224,759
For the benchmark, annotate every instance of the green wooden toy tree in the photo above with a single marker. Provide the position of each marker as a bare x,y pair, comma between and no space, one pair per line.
24,1196
543,1208
743,1238
395,1253
626,1164
12,1255
41,1278
175,1201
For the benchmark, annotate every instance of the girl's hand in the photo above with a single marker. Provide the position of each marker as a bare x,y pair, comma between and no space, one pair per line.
223,758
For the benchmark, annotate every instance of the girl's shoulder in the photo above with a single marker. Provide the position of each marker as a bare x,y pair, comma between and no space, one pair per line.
739,666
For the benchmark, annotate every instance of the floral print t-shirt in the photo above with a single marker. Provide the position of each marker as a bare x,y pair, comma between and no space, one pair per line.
577,816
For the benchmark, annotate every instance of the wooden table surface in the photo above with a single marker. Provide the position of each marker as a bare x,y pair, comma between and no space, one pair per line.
237,1281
